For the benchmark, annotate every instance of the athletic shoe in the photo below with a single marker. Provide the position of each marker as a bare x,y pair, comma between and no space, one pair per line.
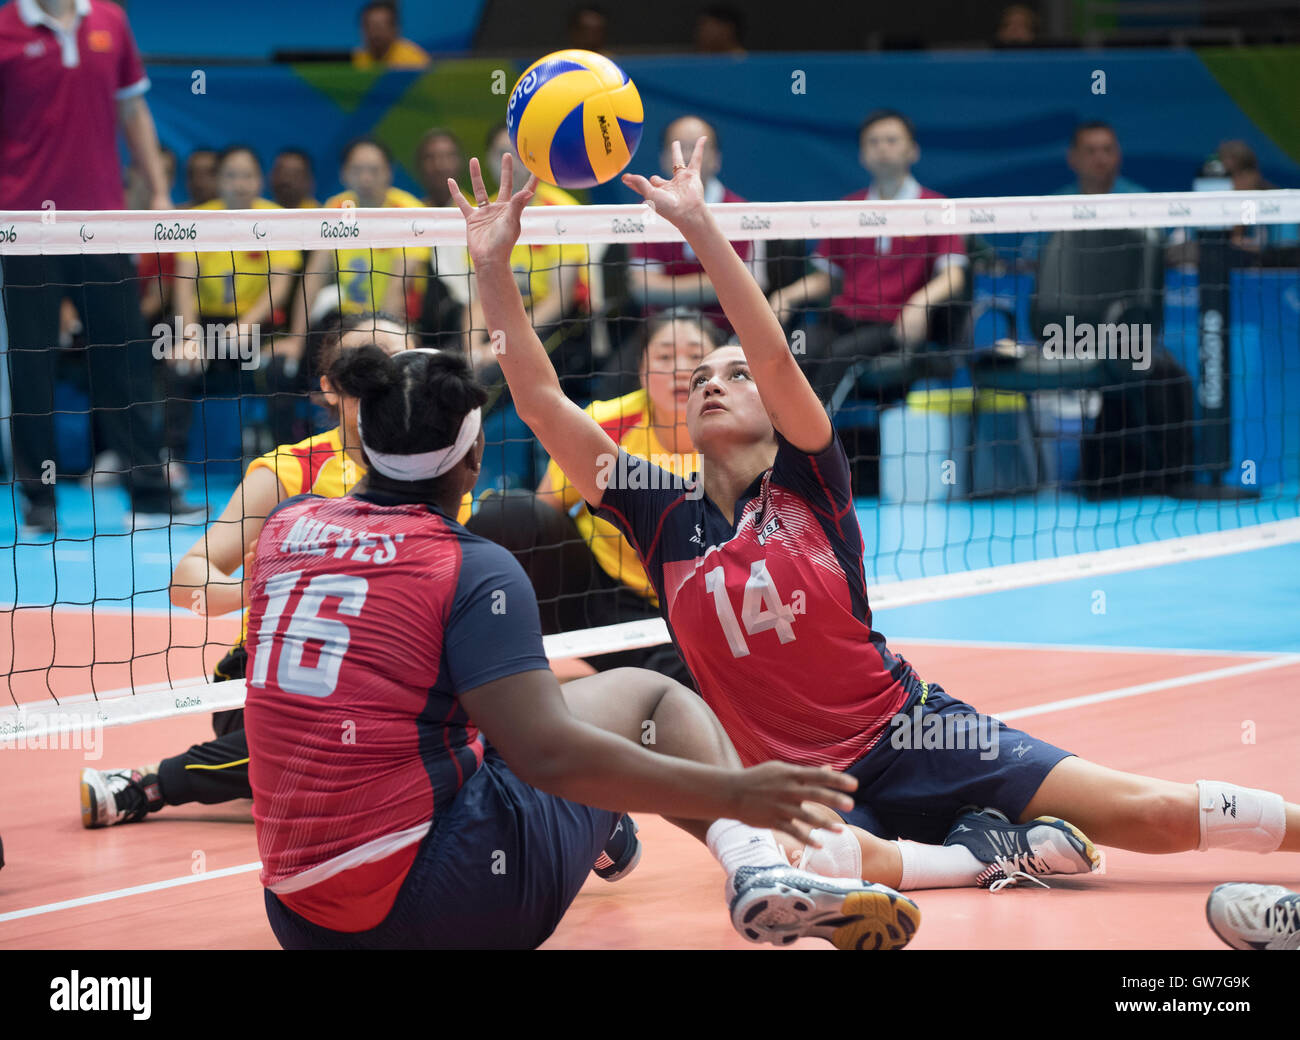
781,905
39,520
1018,852
117,796
1255,917
622,851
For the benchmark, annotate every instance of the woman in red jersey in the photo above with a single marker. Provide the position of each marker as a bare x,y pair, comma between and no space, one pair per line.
758,568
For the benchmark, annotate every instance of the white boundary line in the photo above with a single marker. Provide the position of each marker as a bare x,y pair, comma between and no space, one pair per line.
1007,716
134,890
1123,692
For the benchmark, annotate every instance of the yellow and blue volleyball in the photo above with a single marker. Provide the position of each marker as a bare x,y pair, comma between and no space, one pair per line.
575,119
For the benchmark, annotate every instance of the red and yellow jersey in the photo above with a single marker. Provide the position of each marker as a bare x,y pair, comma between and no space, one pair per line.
364,275
230,284
627,421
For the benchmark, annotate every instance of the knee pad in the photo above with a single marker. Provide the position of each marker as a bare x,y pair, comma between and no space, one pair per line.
1244,818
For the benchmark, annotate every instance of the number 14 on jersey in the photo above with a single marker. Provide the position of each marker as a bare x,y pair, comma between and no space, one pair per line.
760,610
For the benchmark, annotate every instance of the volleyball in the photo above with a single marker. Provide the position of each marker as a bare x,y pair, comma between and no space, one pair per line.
575,119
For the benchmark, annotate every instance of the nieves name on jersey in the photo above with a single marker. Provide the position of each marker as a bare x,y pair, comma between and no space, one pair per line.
316,538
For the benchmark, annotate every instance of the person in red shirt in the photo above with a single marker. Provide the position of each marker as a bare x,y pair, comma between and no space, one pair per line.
757,562
70,74
669,274
890,289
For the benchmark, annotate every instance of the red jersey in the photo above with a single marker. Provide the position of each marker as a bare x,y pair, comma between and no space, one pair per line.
769,613
58,105
881,274
367,619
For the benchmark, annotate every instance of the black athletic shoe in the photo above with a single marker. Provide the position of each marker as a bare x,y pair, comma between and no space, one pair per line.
39,520
622,851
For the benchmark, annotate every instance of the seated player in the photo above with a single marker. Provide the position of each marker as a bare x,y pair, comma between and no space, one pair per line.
1255,917
329,464
759,573
584,572
416,768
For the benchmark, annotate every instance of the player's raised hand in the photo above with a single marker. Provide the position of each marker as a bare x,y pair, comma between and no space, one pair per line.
773,794
681,198
492,228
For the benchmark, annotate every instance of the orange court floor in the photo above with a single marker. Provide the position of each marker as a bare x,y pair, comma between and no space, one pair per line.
187,877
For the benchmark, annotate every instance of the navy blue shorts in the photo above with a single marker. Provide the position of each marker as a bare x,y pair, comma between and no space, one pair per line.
498,871
922,773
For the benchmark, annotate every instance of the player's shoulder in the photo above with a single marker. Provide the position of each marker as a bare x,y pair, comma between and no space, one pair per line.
338,200
266,204
858,196
315,447
210,204
103,10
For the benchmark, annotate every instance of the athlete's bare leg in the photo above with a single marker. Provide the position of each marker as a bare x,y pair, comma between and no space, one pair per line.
1128,811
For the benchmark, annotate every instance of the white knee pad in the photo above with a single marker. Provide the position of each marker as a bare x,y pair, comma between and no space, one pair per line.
839,857
1233,817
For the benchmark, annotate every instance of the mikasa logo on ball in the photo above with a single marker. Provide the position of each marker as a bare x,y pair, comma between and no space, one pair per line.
604,133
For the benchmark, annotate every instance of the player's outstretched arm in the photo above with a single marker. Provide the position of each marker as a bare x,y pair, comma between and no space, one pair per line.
791,403
571,436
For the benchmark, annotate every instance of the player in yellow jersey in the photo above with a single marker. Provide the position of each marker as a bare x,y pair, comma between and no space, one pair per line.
326,464
362,280
583,571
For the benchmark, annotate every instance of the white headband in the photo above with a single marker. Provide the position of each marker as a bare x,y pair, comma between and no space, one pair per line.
427,464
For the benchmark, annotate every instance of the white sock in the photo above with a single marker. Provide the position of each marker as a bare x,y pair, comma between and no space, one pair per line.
937,866
735,845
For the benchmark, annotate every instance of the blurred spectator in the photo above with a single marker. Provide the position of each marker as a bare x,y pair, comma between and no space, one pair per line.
667,274
551,279
1017,26
248,289
589,28
1095,158
201,176
293,181
444,309
382,42
894,292
720,29
1242,165
61,115
352,281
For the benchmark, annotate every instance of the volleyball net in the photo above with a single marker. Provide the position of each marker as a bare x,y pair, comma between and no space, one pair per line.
1029,389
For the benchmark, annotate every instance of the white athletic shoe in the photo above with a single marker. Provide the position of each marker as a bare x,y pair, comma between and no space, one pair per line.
117,796
781,905
1255,917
